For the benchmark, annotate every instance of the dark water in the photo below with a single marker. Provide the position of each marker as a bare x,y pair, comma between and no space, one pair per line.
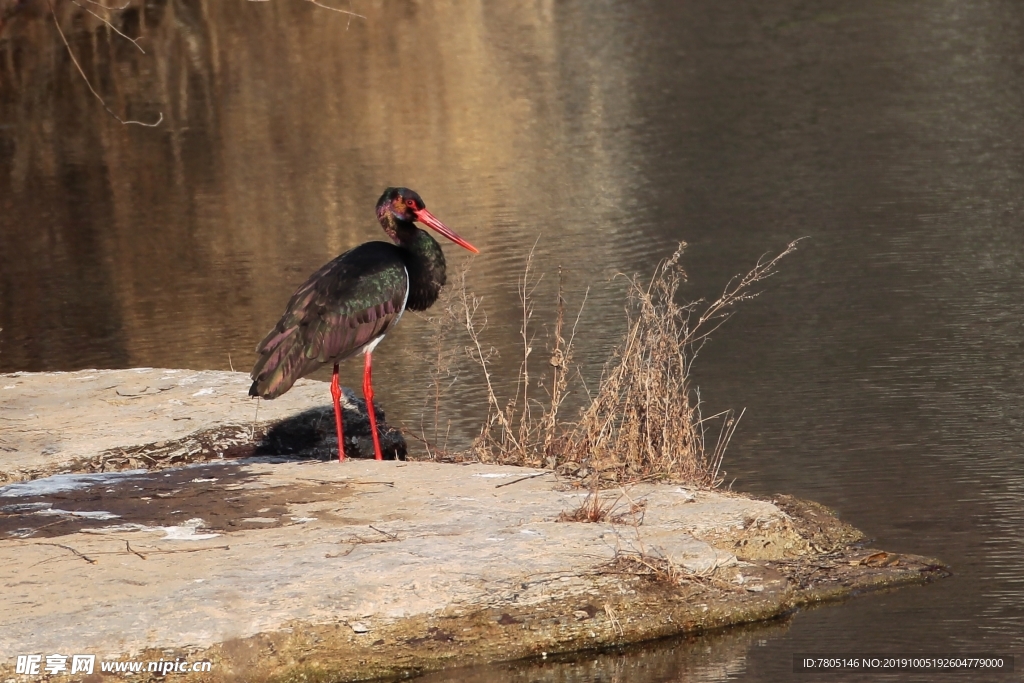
881,370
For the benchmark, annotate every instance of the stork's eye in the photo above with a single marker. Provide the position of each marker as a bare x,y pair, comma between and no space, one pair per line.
411,203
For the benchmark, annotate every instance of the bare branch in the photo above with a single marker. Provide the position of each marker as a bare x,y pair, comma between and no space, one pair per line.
109,9
78,66
335,9
133,41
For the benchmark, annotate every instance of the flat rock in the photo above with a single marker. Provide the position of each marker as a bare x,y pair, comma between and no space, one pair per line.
78,421
272,568
49,420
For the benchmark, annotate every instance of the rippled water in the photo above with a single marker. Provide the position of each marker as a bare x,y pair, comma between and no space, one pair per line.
881,370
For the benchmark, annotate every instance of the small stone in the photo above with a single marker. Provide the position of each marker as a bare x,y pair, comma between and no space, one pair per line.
581,615
358,627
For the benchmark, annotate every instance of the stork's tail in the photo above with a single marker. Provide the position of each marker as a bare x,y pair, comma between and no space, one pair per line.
282,360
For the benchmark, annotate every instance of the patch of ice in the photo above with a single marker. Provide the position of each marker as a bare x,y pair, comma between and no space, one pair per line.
21,508
58,483
88,514
187,531
120,527
21,533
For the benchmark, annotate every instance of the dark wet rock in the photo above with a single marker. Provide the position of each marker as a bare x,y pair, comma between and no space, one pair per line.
223,497
311,433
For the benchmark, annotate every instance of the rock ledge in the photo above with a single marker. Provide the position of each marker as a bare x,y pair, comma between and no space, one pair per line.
285,569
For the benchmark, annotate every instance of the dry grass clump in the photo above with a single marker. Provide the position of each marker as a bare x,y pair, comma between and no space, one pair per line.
598,508
644,421
526,428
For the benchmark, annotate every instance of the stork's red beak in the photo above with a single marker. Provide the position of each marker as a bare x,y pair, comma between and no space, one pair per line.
428,219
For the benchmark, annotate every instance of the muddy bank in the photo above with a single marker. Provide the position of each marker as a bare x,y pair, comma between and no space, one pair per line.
298,568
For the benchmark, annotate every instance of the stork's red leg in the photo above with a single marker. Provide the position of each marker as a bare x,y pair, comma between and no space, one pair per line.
368,395
336,393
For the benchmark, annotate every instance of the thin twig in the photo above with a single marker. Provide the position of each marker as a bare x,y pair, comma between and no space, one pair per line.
67,547
189,550
78,66
516,481
393,537
255,418
335,9
613,619
110,9
470,305
133,41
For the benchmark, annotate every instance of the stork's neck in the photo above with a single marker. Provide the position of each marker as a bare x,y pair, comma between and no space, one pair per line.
423,259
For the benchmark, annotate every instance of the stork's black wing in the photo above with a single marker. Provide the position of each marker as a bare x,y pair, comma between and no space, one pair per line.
342,307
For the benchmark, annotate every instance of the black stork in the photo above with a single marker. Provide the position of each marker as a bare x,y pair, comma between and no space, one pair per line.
347,307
